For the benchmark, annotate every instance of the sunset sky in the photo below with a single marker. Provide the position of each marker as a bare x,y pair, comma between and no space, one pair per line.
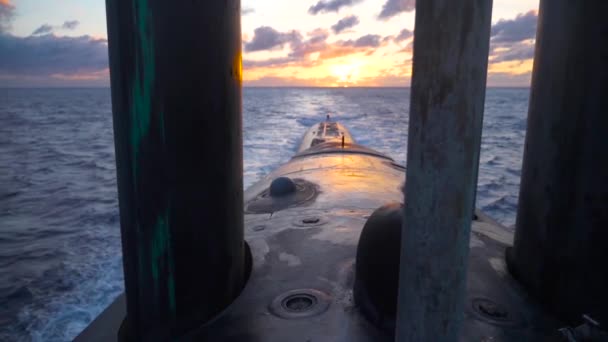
285,43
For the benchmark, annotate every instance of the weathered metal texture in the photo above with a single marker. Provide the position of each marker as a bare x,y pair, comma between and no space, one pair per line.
447,100
176,94
312,247
560,249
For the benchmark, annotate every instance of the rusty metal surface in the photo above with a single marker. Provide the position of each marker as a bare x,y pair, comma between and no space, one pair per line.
446,110
562,220
313,247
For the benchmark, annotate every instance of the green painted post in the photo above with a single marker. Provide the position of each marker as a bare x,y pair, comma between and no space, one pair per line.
176,95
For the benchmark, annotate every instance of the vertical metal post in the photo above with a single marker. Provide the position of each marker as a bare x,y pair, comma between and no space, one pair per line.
176,94
560,251
447,102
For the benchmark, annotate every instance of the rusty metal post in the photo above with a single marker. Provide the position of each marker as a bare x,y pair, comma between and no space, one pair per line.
176,97
447,102
560,253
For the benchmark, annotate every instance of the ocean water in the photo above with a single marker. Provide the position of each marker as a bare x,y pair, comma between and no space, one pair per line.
60,254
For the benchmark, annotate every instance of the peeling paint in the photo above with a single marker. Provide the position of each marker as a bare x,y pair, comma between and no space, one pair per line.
161,257
143,82
155,256
499,266
259,245
290,259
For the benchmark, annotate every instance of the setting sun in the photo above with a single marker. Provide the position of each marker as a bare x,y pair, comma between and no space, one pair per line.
312,43
346,74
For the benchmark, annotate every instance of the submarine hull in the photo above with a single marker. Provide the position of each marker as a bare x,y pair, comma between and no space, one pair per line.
303,248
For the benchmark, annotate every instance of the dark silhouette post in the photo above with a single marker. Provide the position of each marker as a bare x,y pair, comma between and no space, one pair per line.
560,253
447,102
176,94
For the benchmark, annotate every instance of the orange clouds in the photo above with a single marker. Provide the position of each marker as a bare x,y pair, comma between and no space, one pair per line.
368,60
336,49
373,60
518,67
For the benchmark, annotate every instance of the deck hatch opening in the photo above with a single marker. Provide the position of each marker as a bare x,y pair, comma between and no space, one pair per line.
495,313
299,302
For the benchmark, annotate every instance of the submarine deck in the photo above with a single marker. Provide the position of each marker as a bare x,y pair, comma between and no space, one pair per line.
305,250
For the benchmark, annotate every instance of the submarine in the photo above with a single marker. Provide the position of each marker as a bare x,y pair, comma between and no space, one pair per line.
323,234
323,237
341,243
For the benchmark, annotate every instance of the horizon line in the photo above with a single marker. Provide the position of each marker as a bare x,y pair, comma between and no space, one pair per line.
263,87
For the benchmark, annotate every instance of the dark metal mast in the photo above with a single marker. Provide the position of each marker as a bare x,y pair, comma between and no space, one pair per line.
176,94
447,101
560,252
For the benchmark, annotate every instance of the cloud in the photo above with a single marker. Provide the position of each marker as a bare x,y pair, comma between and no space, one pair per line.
409,48
267,38
370,40
513,39
302,51
43,29
331,6
515,30
318,35
345,23
70,24
47,60
7,12
315,43
50,55
365,44
405,34
516,52
393,7
46,28
247,11
272,62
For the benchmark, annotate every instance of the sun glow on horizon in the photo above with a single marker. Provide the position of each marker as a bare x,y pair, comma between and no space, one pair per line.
517,67
347,74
